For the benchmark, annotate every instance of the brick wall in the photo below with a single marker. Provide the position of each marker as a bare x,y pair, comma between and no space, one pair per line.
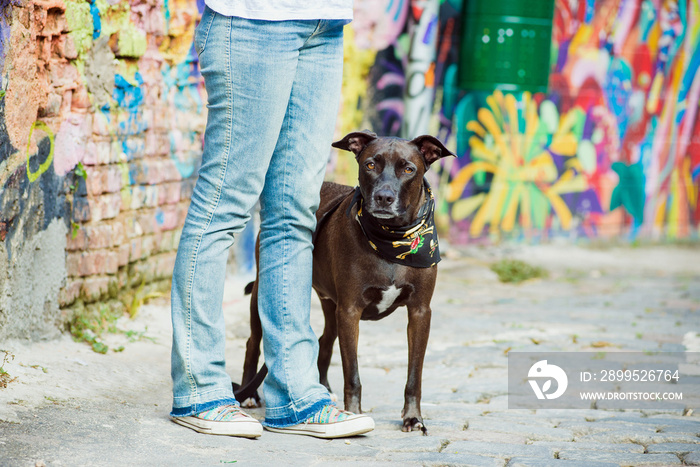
103,110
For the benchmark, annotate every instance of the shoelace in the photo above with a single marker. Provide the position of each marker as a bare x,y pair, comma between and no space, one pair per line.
222,413
325,415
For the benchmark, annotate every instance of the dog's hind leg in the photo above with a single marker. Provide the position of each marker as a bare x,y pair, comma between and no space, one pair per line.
326,341
252,352
418,332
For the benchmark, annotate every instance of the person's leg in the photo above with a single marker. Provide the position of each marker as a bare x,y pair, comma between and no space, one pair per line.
288,203
248,79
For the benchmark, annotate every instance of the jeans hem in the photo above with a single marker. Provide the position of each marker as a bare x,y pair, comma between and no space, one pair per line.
296,417
198,408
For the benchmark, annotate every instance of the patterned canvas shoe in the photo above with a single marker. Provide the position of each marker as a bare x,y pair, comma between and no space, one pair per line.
228,420
330,422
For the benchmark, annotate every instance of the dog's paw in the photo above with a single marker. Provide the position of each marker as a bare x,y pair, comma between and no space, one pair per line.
250,403
334,397
414,424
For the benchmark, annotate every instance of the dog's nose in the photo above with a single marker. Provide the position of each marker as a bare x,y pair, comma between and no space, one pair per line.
384,198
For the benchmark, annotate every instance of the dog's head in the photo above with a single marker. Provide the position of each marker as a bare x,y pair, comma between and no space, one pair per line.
391,173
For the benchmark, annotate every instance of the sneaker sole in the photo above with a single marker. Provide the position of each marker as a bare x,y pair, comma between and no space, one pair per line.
243,429
346,428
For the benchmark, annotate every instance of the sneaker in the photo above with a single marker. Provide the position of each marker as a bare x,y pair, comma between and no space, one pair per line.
228,420
330,422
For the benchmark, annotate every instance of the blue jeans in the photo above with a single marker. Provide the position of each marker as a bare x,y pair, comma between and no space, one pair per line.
273,90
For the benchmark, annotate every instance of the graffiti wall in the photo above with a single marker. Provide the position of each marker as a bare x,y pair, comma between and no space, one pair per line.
101,119
102,110
611,150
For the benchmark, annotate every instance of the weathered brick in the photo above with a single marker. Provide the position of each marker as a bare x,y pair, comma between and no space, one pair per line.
99,236
52,106
127,196
134,147
81,209
73,264
58,45
118,233
92,263
96,180
131,227
67,101
155,171
187,188
63,75
141,271
116,152
123,277
103,151
137,172
166,241
91,156
144,196
55,23
147,220
69,49
170,171
170,218
165,263
111,261
135,249
80,99
182,213
70,292
106,206
79,242
169,193
103,125
95,153
154,144
95,287
129,123
103,179
123,254
163,118
176,237
148,246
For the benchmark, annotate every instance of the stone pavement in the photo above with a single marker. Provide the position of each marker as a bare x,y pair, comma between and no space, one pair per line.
89,409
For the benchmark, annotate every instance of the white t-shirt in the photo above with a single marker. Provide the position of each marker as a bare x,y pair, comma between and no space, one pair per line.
279,10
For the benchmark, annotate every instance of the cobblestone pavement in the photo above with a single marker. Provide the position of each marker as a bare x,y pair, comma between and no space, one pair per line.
70,406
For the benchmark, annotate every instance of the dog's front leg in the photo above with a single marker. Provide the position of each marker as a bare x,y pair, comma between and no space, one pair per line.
348,319
418,332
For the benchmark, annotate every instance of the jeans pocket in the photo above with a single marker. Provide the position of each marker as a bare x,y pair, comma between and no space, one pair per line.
201,33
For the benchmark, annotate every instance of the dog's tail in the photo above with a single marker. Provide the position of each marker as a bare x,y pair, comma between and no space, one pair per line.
242,393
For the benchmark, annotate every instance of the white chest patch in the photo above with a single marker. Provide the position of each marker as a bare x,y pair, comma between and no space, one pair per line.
389,296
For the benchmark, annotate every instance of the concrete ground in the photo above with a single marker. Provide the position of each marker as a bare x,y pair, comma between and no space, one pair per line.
71,406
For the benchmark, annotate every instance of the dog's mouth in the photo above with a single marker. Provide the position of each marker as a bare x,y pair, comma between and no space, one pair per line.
383,214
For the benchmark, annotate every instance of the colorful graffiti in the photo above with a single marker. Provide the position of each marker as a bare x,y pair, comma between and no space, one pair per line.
90,96
611,149
419,89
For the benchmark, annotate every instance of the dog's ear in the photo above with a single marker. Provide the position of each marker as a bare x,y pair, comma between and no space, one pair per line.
431,148
355,141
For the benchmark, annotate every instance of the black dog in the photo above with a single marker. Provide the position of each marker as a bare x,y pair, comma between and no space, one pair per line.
375,249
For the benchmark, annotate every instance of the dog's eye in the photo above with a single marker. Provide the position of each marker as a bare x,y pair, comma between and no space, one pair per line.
409,170
370,165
